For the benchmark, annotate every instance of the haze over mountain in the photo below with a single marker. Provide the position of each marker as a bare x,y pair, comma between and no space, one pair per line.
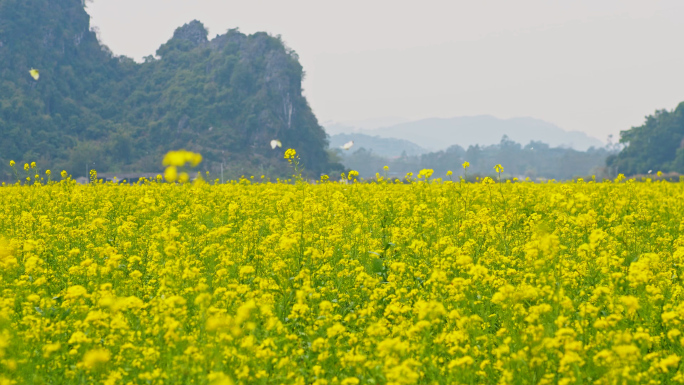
348,126
534,159
386,147
440,133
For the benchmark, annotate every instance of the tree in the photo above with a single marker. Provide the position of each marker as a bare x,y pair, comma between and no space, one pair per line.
655,145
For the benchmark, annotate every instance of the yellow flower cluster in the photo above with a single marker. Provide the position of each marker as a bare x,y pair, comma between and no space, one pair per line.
290,153
342,283
175,159
181,157
425,173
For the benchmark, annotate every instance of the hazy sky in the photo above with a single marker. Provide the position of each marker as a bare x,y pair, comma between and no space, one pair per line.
597,66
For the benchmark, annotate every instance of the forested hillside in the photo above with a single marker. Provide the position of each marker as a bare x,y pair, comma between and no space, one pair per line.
658,144
225,98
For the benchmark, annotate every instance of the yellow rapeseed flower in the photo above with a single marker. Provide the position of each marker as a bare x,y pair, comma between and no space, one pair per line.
50,348
171,174
95,358
400,283
181,157
183,177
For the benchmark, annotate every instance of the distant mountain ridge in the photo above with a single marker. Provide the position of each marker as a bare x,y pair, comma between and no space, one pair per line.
386,147
440,133
334,128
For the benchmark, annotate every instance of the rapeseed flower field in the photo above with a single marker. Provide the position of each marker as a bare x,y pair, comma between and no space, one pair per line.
428,282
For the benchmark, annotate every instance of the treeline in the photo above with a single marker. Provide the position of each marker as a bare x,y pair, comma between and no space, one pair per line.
534,160
658,144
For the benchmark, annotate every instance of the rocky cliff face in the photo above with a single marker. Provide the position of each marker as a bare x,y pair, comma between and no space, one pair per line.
194,32
226,97
251,82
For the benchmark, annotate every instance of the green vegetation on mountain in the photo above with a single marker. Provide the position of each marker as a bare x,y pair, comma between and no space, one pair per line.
658,144
225,98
